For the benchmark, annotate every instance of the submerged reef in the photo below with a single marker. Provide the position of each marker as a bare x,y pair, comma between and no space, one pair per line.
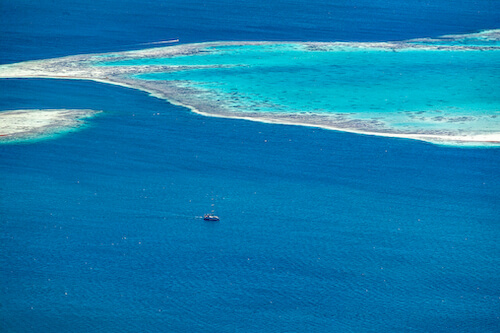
30,125
440,90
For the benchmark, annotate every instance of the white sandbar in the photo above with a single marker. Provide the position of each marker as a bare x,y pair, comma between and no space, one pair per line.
22,125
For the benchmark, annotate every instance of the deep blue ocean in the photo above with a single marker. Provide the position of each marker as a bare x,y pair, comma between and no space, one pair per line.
320,231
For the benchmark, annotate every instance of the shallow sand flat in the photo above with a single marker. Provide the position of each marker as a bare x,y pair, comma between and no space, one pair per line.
20,125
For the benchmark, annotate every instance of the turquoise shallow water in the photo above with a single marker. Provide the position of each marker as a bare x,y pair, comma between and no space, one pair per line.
442,90
407,89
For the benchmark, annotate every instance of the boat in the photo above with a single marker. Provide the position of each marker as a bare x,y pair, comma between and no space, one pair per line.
210,217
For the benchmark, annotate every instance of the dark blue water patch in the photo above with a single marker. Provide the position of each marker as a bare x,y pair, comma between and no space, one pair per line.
320,230
45,29
58,94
